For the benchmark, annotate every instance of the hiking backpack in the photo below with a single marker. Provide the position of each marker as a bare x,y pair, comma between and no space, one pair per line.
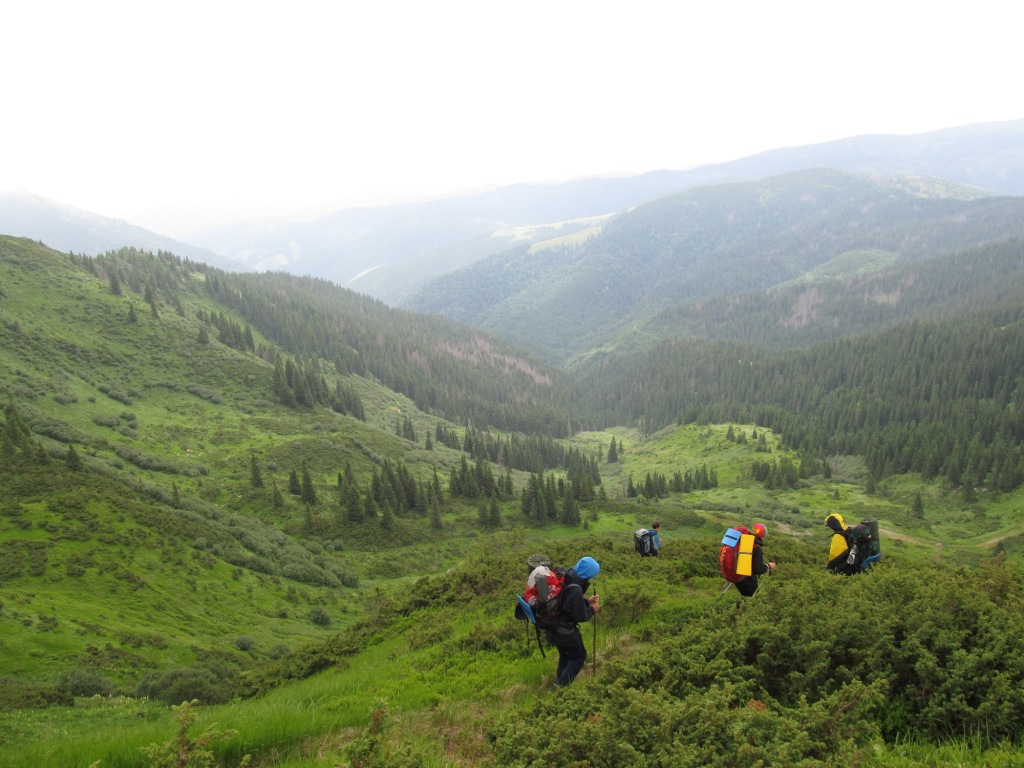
643,542
736,556
541,602
853,548
543,593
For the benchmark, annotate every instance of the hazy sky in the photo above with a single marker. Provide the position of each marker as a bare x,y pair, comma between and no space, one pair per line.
171,115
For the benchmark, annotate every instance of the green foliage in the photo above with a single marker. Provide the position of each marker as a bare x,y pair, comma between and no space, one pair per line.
736,261
871,396
807,671
373,749
170,565
17,694
185,750
212,683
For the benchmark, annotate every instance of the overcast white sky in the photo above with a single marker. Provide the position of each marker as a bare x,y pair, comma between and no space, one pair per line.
171,115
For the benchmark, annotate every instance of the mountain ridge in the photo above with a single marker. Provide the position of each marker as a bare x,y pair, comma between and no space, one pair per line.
390,252
706,242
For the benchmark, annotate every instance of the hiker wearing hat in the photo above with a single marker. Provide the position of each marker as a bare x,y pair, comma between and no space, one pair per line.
576,608
748,585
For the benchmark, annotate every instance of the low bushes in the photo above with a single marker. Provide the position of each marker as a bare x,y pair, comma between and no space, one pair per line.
815,668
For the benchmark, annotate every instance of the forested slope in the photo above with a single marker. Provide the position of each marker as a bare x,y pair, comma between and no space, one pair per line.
458,372
716,241
206,492
859,292
938,397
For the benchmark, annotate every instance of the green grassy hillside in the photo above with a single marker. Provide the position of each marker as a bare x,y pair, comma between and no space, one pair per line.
161,551
154,549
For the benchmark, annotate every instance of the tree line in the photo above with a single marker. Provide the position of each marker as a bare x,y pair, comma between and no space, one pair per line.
939,397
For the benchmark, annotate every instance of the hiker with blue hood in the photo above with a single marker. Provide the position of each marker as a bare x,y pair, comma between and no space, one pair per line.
575,608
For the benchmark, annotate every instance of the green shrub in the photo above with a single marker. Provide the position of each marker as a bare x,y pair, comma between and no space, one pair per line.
278,651
85,682
184,749
320,617
212,684
15,694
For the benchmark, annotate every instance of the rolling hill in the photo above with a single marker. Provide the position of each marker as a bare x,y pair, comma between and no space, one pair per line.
391,252
710,243
274,496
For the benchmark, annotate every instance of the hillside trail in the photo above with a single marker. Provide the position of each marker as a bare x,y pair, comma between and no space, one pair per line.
993,541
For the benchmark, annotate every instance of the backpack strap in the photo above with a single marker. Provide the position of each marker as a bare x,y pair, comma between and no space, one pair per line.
563,614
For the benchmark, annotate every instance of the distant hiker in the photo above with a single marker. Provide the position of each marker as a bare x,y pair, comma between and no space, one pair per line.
852,549
646,541
643,542
575,608
747,586
656,537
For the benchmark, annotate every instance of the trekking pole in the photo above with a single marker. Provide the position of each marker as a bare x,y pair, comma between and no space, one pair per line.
728,586
594,644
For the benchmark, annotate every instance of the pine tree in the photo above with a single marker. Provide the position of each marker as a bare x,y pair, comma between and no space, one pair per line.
353,504
255,476
495,513
73,460
917,507
308,491
613,454
570,511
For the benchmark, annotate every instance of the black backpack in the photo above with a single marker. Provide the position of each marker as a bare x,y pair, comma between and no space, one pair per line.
857,549
643,542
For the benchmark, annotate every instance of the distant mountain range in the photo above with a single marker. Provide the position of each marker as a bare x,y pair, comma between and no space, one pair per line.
733,243
391,252
72,230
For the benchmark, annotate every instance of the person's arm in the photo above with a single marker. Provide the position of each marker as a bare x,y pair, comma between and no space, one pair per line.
760,567
582,608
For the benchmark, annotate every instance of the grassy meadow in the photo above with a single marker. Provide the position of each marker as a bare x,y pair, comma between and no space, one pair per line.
157,567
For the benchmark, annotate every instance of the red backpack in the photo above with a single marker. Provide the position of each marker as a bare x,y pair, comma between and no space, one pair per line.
543,590
541,603
732,562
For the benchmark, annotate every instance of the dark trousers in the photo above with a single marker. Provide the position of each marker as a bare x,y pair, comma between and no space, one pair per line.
747,586
571,659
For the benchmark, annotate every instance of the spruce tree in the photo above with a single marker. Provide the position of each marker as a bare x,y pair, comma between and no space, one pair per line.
495,513
613,454
353,504
255,476
73,460
917,506
308,491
